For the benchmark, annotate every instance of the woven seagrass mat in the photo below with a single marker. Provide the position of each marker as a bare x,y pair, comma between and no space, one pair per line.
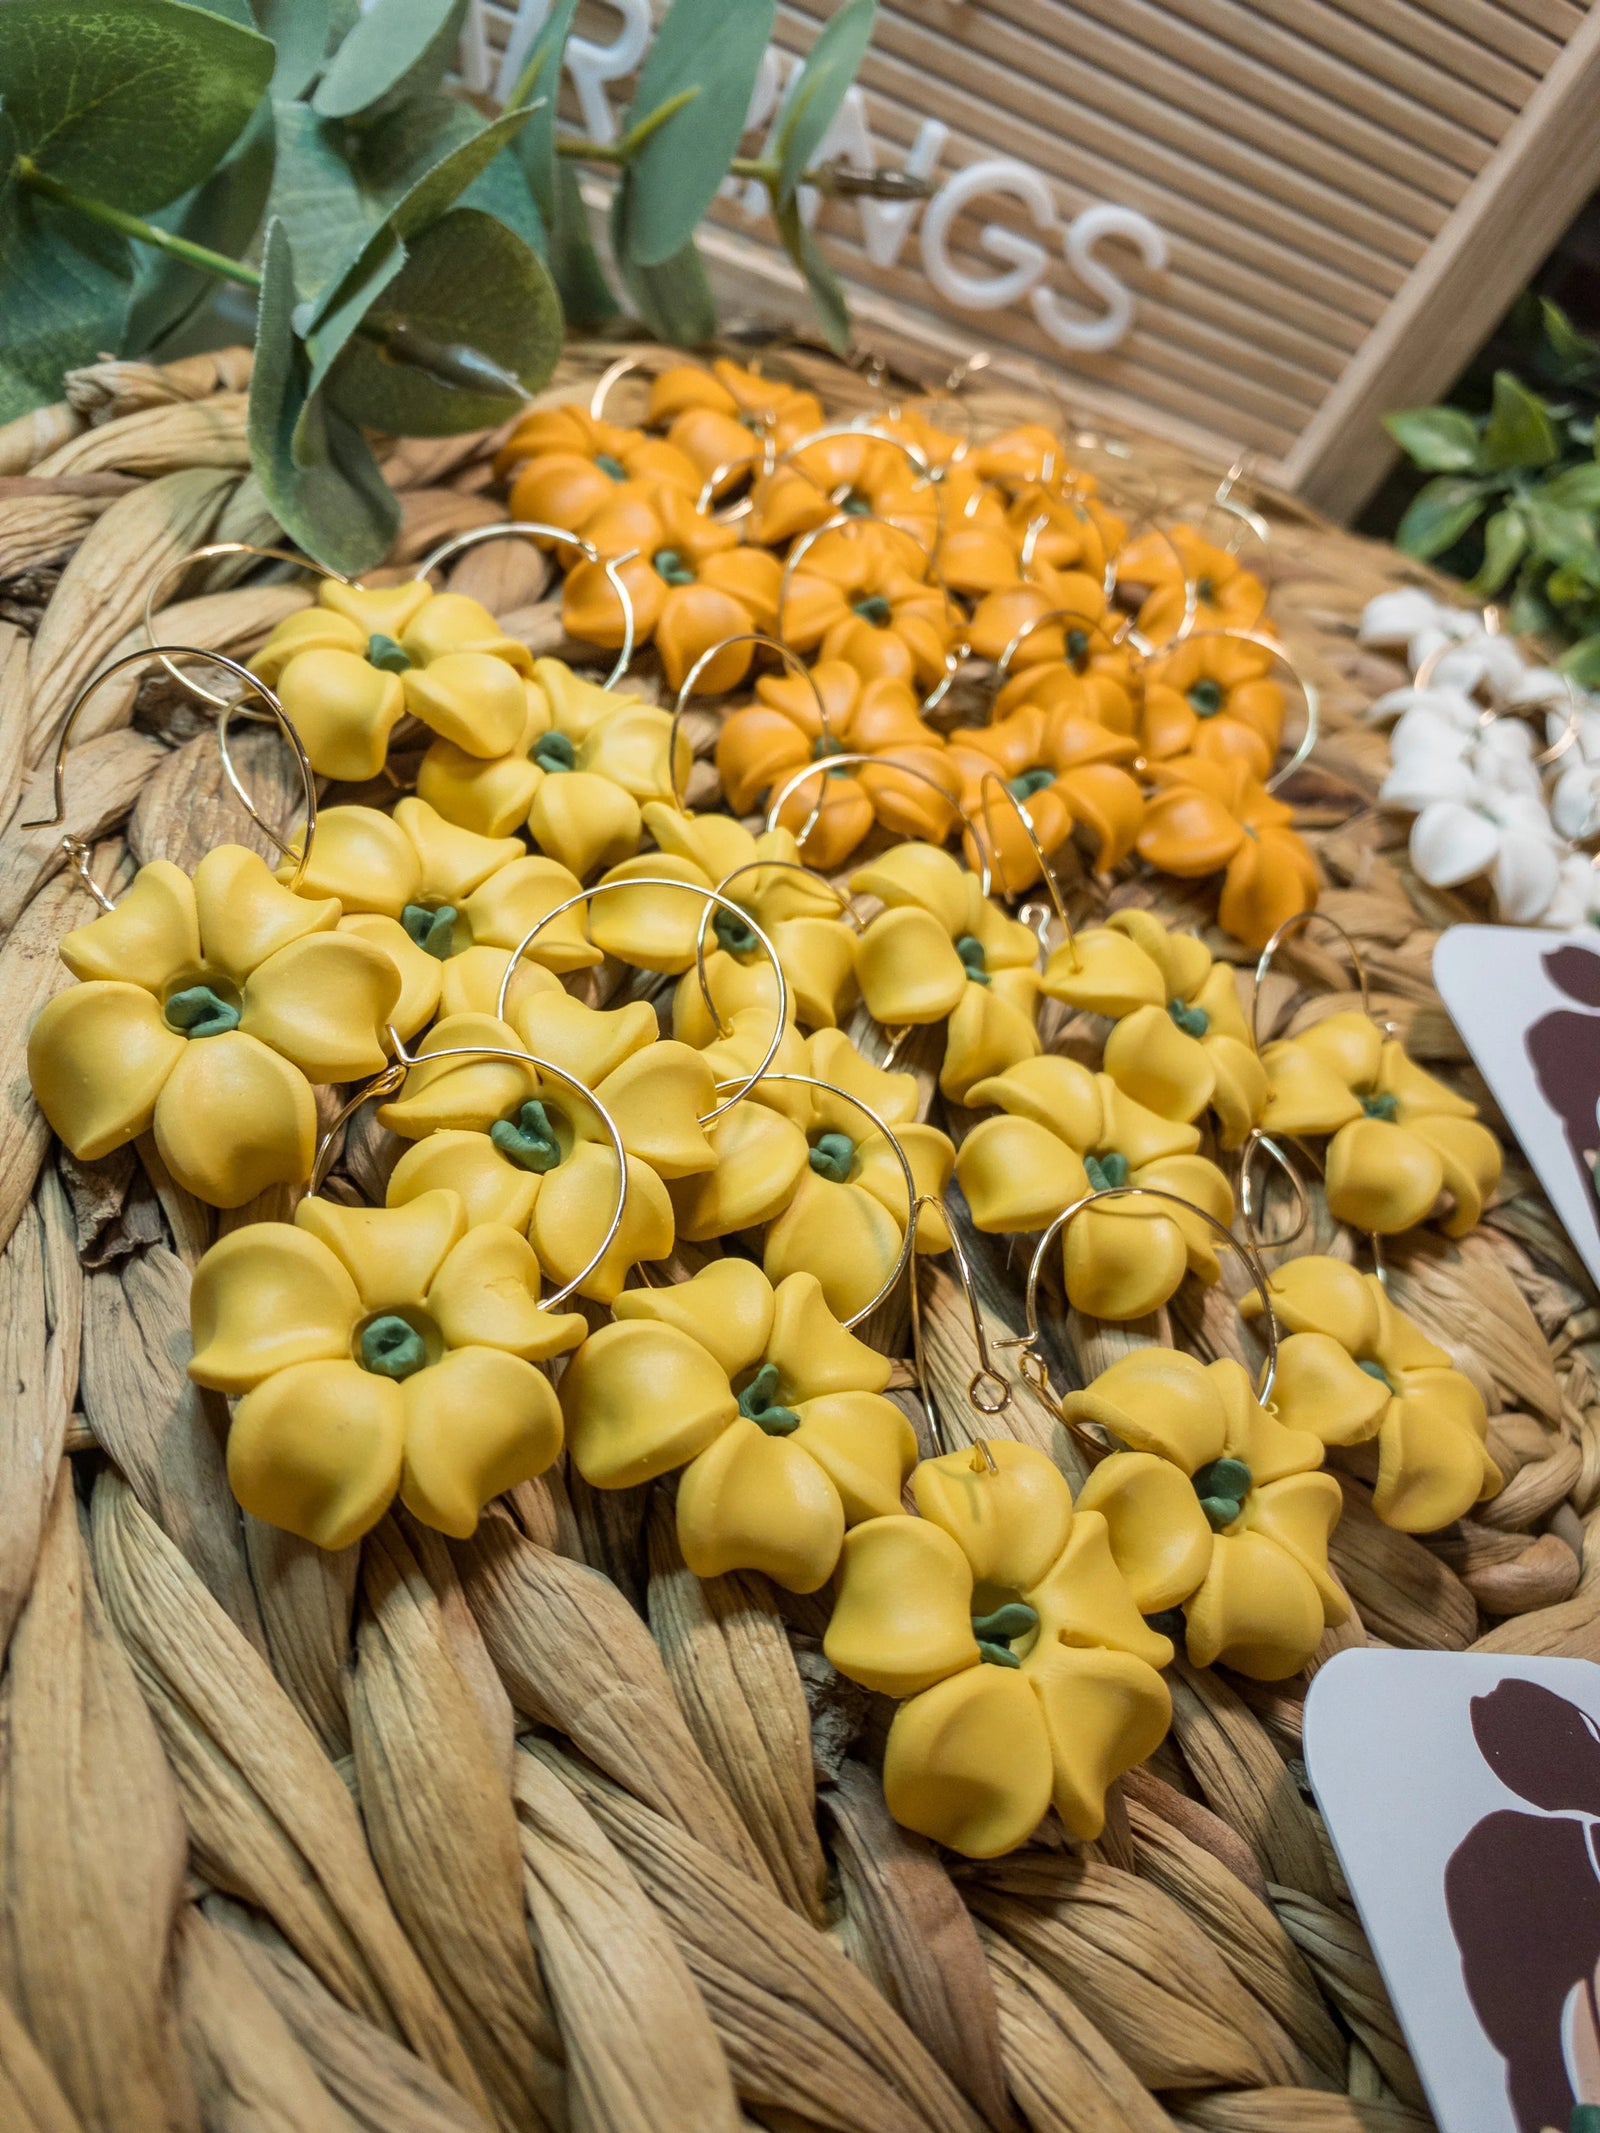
537,1830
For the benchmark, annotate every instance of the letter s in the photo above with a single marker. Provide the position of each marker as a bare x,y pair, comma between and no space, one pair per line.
1079,239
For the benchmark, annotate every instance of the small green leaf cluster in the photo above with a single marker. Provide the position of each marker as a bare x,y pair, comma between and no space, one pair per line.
417,262
1517,491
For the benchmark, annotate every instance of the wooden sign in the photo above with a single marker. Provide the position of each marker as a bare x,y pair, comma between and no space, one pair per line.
1240,223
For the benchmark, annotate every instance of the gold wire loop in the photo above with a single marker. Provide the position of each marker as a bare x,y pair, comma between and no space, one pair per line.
1247,1254
828,763
528,529
653,361
688,888
208,554
907,1242
393,1078
982,1400
859,427
1037,622
758,866
1047,873
791,660
1191,591
1247,1212
142,656
1297,923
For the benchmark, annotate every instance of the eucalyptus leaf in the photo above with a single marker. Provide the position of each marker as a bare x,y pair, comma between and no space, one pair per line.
64,290
536,144
674,299
481,331
223,214
818,90
1442,439
713,47
317,195
1505,539
301,31
134,103
586,295
827,297
1519,432
1438,515
397,49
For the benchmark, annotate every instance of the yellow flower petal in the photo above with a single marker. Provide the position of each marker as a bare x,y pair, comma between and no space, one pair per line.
1268,1447
1398,1342
391,1253
1183,960
234,1118
640,1399
908,969
471,1166
1157,1400
98,1058
469,983
988,1033
1471,1161
313,629
461,1092
629,750
1350,1046
151,938
513,901
841,1234
651,928
1104,973
819,964
922,877
761,1158
590,1042
1320,1295
657,1099
486,1295
455,861
1258,1611
716,845
421,975
476,1423
245,915
381,611
1381,1177
1103,1713
968,1763
317,1450
573,1212
1006,942
343,710
1202,1185
1218,1000
1055,1092
1417,1094
1159,1065
864,1445
932,1159
1123,1260
1322,1389
490,795
362,857
470,698
1305,1095
451,622
1298,1514
324,1002
726,1307
1432,1465
830,1056
737,987
903,1616
1011,1522
734,1058
1016,1175
264,1297
578,706
754,1502
1084,1599
812,1352
1160,1538
584,820
1142,1135
1240,1095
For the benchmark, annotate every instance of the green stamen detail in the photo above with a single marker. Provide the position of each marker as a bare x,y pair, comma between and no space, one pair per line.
432,930
1205,698
973,960
1007,1623
1193,1021
856,506
874,609
668,564
992,1654
385,653
825,744
554,752
1205,590
735,932
832,1155
1222,1486
1030,782
1106,1172
529,1140
757,1405
199,1012
1078,650
1375,1370
392,1348
613,469
1380,1107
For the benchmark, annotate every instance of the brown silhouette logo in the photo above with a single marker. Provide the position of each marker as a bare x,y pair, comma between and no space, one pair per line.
1564,1051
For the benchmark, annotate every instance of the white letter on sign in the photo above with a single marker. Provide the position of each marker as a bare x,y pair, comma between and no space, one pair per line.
995,174
1081,236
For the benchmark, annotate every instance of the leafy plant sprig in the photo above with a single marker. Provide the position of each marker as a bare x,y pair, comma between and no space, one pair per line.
417,261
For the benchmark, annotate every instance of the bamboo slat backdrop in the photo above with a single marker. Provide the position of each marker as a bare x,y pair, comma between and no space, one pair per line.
537,1830
1351,193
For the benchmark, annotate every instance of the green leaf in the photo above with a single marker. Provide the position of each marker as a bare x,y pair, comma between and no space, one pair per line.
1505,538
1578,487
1582,662
586,295
1574,352
818,90
136,102
1444,440
1438,515
674,300
471,295
1530,614
64,289
713,47
317,195
1519,432
827,297
397,49
536,144
1561,534
321,482
301,32
223,214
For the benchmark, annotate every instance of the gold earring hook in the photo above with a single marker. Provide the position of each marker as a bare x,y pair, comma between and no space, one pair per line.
653,361
211,553
791,660
825,765
1297,923
393,1078
1257,1140
985,1375
528,529
142,656
687,888
1047,873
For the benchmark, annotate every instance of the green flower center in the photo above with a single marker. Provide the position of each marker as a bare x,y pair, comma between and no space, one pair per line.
1205,698
832,1156
1193,1021
757,1405
825,745
391,1347
553,752
668,564
1106,1171
1380,1107
973,960
613,469
1222,1486
1030,782
528,1140
1376,1370
734,932
874,609
432,929
201,1011
1205,590
1077,650
855,505
383,652
996,1631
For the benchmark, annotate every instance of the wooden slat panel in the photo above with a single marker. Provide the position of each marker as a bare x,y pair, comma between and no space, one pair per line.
1332,29
1439,39
1492,26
